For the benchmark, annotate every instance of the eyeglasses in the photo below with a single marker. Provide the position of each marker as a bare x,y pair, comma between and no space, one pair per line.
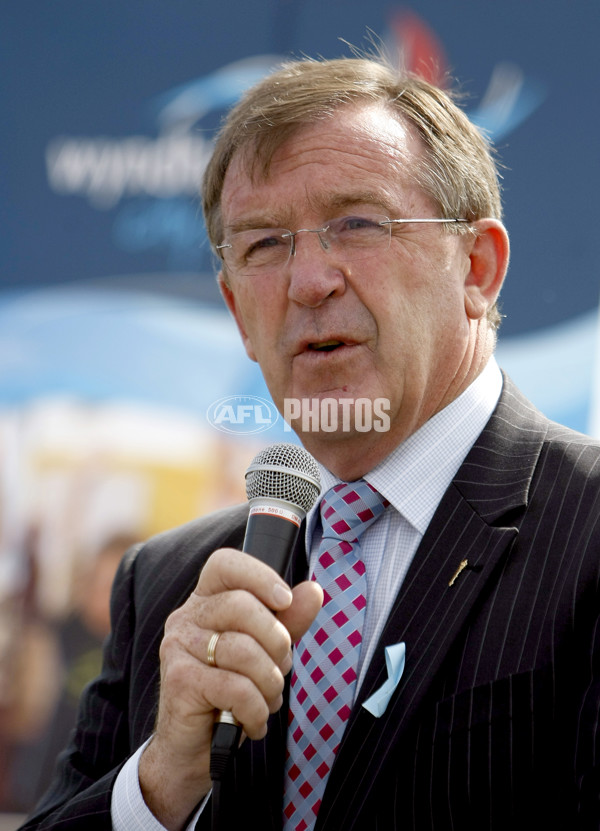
260,251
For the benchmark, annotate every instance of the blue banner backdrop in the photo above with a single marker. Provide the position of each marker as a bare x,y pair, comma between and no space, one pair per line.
109,112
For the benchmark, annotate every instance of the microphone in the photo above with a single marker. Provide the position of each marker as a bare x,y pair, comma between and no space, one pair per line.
282,484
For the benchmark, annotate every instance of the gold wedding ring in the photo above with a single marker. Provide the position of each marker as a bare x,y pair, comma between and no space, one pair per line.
211,648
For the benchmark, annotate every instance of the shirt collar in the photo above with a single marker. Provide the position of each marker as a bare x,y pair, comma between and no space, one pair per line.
415,475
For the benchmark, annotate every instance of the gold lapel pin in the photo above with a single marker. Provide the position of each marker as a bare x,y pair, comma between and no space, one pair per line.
461,567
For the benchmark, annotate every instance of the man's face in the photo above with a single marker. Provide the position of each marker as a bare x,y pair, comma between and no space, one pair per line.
402,318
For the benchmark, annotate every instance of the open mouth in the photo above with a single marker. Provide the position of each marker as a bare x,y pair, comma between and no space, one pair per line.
325,346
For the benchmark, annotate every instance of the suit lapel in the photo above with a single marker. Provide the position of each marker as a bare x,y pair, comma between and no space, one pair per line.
474,522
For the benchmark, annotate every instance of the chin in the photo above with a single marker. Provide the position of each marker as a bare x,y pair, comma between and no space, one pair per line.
336,416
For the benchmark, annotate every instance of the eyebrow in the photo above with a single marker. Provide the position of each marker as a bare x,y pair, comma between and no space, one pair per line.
250,224
329,206
345,201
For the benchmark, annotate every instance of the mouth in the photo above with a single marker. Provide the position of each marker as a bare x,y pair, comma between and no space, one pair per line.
325,346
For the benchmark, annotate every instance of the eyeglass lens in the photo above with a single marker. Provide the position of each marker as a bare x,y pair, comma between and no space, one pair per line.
262,249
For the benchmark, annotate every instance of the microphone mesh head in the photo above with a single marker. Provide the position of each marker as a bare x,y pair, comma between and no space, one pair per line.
287,472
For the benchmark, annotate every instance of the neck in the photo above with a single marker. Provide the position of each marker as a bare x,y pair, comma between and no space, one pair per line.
350,456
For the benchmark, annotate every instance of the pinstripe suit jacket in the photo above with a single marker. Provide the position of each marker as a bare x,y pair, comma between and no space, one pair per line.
495,723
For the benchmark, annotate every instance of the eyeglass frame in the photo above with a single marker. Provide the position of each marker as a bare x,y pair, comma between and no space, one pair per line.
386,221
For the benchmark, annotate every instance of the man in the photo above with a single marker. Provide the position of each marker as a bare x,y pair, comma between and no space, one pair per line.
484,563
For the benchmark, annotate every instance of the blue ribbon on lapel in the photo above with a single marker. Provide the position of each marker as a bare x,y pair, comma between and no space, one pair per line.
395,656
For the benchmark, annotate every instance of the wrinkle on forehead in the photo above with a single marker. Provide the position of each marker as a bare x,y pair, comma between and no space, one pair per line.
383,151
393,136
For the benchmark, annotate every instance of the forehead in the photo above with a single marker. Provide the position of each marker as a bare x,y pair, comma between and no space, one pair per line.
358,154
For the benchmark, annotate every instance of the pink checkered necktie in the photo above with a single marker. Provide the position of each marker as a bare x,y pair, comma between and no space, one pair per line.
325,660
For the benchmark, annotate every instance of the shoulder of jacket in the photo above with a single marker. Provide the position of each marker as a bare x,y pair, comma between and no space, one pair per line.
192,541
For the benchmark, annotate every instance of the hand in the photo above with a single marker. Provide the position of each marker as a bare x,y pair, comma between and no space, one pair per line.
236,595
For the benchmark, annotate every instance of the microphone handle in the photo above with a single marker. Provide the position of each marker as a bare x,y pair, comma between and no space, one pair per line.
271,538
271,534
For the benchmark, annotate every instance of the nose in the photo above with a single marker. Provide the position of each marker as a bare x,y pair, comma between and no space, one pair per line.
314,273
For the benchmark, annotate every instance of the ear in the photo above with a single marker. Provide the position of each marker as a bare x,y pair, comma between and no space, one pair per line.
229,297
488,255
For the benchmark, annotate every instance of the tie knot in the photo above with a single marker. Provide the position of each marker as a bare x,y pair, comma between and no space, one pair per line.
349,508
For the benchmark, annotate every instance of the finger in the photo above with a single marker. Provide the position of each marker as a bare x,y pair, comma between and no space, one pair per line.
241,654
237,695
235,612
188,701
308,599
228,569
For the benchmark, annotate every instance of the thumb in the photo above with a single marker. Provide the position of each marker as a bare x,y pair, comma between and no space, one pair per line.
307,600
